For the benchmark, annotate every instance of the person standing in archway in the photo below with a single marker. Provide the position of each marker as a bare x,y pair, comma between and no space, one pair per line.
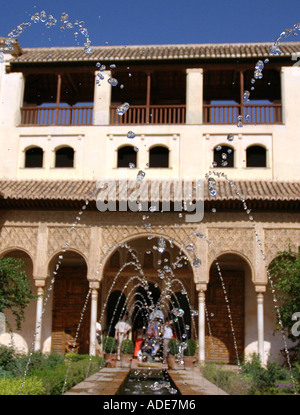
122,330
167,336
98,338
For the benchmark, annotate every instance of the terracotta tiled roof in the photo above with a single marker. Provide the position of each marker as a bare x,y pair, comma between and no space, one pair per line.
79,191
154,52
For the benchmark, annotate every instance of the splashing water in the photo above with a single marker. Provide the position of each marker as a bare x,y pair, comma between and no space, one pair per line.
122,108
161,245
112,81
130,134
212,186
140,176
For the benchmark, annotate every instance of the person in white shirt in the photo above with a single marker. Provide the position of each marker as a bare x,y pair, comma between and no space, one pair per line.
122,329
167,336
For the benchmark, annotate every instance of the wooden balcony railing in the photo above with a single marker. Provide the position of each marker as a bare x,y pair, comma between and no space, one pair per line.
153,114
82,115
252,114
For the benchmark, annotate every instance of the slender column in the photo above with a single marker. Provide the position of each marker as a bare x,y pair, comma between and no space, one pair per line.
242,93
39,309
148,97
201,323
94,309
102,100
260,325
58,92
194,96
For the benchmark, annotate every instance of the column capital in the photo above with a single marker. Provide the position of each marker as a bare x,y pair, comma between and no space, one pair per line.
39,282
94,285
201,287
194,70
260,288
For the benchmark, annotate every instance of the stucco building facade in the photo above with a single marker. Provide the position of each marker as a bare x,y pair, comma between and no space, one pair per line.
63,142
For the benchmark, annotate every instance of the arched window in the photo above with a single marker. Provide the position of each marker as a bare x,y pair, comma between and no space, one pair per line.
114,261
34,157
256,156
166,258
64,157
148,259
126,156
159,157
223,156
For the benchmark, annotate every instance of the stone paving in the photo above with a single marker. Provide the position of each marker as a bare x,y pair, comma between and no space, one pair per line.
191,382
108,381
105,382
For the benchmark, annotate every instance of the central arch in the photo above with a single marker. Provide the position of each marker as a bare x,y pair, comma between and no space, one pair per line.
154,267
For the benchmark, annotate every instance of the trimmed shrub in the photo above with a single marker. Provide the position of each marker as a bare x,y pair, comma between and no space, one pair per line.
191,348
127,346
109,345
174,346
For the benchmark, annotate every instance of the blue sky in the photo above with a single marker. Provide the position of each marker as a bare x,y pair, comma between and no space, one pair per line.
128,22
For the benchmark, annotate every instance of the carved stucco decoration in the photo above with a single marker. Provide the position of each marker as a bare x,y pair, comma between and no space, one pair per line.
23,237
79,239
114,235
239,240
277,240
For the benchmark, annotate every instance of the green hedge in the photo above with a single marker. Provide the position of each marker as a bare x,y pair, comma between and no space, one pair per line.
46,373
54,380
32,386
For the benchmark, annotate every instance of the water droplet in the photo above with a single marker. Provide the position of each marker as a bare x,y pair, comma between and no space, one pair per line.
218,148
135,149
274,50
259,65
130,134
240,123
178,312
246,96
140,176
230,137
88,49
214,210
224,156
35,18
152,209
161,245
258,74
112,66
190,247
122,108
112,81
131,165
197,262
212,186
43,16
